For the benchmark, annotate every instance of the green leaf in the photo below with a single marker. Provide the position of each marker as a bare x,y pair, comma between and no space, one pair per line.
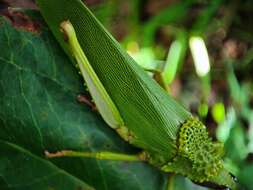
39,111
180,183
50,177
245,176
236,144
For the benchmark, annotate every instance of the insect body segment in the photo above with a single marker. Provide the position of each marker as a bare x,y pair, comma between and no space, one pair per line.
198,157
195,145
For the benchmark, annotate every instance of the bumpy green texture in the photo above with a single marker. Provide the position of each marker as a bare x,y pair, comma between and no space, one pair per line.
195,145
198,157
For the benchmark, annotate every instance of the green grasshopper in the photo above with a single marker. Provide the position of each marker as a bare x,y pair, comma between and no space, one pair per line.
132,103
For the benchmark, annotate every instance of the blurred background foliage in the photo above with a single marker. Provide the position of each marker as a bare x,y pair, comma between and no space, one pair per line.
201,52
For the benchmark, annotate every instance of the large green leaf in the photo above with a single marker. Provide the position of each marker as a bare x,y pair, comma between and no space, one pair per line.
17,172
39,111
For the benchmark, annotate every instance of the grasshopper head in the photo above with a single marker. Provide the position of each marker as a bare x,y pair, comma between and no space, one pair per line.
198,157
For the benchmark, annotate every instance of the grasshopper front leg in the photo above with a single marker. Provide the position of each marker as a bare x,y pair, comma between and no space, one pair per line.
104,103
